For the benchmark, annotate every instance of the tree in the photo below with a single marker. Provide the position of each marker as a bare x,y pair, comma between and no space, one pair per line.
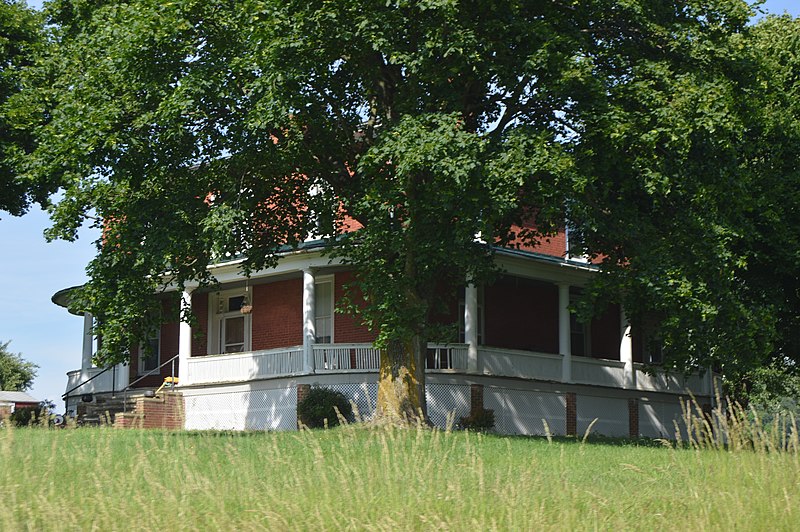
20,35
16,374
697,224
199,130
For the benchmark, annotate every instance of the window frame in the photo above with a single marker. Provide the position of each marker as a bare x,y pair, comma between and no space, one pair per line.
142,369
325,279
217,318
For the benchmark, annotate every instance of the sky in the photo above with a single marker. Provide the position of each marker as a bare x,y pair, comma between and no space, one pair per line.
32,270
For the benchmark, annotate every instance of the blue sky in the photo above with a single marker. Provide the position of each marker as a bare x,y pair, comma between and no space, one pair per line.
32,270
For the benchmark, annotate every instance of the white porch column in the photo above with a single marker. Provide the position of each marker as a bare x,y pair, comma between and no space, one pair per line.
708,382
471,325
626,350
309,327
86,359
564,340
185,338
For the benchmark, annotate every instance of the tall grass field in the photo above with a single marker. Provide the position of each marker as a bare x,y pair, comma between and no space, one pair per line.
359,478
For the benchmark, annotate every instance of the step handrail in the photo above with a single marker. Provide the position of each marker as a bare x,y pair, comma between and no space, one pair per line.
151,372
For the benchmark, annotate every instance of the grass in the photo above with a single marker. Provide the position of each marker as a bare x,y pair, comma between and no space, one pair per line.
386,479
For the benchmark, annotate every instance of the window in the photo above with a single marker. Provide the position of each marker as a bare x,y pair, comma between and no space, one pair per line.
231,333
652,349
150,353
323,311
575,246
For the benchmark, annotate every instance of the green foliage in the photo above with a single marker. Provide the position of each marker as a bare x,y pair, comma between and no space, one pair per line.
480,421
20,37
31,416
319,408
664,133
15,373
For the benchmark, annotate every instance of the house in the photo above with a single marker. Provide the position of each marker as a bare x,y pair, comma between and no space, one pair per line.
260,343
10,401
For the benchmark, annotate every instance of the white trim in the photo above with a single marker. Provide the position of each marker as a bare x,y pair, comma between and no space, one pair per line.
564,333
626,350
88,341
185,333
309,335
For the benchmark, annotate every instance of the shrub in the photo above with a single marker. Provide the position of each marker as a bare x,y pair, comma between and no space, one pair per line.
320,404
480,421
26,417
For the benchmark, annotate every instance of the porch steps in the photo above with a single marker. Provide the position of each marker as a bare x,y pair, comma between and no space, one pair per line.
163,411
104,410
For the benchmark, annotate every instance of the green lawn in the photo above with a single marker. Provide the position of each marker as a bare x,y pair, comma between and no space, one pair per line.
357,478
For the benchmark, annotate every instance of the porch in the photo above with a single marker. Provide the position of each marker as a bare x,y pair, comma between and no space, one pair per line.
441,358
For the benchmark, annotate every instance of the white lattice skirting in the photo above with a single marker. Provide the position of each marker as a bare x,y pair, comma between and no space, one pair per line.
520,408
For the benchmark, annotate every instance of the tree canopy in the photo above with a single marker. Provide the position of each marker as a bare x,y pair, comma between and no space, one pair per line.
16,375
20,36
662,132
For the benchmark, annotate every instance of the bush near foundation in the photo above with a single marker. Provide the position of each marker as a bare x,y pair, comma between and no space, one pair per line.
480,421
320,405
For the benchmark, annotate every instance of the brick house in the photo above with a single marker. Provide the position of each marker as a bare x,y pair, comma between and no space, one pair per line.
514,348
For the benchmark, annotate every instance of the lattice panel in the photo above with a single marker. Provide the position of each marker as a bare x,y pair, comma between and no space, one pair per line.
446,400
522,411
611,414
656,419
274,409
363,394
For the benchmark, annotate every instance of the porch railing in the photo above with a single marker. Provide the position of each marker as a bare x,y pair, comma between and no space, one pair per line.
514,363
244,366
93,380
346,357
360,357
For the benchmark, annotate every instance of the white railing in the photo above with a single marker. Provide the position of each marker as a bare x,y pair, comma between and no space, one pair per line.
672,382
244,366
346,357
103,383
599,372
355,357
514,363
446,356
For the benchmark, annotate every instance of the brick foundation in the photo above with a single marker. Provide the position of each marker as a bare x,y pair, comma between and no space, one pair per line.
302,392
476,399
633,418
572,414
163,412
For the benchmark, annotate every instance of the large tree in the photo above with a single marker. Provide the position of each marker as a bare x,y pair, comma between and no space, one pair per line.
20,36
199,130
16,374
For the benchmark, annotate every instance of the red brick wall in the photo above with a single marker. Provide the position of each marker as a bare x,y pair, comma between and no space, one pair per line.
163,412
277,314
521,314
346,327
605,334
555,245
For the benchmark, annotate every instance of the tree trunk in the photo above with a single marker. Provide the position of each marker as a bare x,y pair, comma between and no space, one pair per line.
401,386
